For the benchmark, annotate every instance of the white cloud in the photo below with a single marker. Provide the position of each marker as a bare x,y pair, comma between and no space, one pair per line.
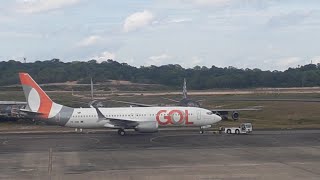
138,20
89,41
104,56
286,62
159,60
315,59
256,4
181,20
211,2
37,6
195,61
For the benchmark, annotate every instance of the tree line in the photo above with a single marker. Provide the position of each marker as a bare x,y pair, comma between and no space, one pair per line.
171,75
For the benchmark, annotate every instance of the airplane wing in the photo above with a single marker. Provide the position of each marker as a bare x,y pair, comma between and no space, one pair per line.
255,108
235,112
12,103
117,122
121,123
173,100
30,112
135,104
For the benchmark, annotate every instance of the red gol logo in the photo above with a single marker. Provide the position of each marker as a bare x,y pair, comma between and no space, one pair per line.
174,117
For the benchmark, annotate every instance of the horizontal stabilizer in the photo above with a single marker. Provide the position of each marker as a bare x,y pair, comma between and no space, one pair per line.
27,111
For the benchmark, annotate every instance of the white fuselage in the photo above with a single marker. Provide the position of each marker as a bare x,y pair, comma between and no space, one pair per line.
165,116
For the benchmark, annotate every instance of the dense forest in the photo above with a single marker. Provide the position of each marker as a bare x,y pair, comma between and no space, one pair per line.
171,75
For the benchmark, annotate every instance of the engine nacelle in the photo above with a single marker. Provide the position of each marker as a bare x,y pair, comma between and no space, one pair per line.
147,127
235,115
222,114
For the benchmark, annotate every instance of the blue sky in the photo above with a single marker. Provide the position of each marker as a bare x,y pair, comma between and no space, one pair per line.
265,34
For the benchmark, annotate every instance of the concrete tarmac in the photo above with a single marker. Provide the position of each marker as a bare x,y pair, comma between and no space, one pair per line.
293,154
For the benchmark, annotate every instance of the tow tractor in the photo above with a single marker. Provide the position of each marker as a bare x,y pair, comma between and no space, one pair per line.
244,128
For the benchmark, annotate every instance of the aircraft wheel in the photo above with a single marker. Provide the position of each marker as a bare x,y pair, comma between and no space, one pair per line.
121,132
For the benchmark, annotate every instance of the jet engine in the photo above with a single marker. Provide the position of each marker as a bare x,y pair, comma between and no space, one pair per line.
235,115
147,127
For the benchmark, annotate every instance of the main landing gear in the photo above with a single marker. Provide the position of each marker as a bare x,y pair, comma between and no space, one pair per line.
204,127
80,130
201,130
121,132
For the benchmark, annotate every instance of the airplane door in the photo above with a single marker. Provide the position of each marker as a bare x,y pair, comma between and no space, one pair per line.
199,115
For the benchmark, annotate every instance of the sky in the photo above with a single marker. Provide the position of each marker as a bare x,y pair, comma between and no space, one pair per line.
264,34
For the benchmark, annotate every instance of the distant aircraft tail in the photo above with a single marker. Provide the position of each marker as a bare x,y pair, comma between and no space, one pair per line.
38,101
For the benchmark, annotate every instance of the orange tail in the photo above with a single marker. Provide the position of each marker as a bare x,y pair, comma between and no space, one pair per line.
38,101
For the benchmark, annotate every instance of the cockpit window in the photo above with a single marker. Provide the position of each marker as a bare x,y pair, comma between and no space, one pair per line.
209,113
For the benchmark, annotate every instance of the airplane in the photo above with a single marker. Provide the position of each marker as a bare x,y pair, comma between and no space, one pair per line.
187,102
141,119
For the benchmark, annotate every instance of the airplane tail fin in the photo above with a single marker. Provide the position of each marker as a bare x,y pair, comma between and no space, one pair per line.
38,101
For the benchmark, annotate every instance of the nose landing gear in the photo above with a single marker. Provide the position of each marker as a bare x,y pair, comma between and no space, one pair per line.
121,132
